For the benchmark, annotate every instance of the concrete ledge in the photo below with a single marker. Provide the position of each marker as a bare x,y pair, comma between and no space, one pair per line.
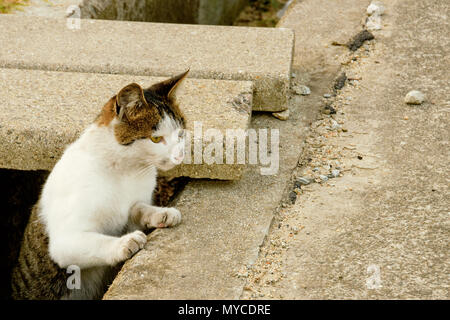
263,55
43,111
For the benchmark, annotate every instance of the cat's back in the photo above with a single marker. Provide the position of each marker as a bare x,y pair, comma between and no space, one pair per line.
35,276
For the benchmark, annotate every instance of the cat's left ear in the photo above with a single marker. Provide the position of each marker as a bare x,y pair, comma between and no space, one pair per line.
129,101
167,88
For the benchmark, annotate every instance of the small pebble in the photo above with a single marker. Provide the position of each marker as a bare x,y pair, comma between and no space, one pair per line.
302,181
323,178
414,97
302,90
335,173
374,22
327,95
315,169
292,196
376,7
283,115
334,125
340,81
329,110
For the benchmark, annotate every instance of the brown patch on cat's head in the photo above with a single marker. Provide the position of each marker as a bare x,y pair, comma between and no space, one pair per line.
139,111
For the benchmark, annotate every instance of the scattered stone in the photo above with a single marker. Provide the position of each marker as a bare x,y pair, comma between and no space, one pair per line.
295,230
301,90
357,41
315,169
293,197
340,81
414,97
294,75
302,181
323,178
283,115
329,110
360,157
373,22
335,125
334,173
375,8
327,95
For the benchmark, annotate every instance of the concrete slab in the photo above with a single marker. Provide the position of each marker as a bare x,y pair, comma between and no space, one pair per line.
263,55
314,52
43,111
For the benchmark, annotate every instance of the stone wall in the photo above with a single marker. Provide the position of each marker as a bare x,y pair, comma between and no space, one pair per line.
212,12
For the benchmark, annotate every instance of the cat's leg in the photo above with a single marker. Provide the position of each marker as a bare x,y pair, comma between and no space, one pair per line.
148,216
91,249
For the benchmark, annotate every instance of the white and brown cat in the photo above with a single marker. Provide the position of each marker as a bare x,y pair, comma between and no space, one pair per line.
98,198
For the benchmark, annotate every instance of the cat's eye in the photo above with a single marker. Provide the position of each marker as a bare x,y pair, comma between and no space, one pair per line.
156,139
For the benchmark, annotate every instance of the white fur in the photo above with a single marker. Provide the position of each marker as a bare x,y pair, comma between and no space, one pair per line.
87,199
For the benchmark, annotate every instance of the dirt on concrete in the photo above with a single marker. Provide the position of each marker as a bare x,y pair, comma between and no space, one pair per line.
374,223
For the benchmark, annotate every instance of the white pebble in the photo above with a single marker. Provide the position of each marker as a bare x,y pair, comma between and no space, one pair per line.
373,22
301,89
375,7
414,97
283,115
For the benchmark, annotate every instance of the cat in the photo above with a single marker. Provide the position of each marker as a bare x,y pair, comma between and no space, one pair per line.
97,200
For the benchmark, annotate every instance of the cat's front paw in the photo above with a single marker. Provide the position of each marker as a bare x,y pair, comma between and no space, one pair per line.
131,243
165,217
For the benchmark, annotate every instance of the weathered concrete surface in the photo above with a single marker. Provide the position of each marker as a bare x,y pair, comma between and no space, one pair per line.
314,53
215,12
387,218
43,111
262,55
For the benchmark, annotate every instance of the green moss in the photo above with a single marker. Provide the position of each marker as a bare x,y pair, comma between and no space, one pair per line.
7,6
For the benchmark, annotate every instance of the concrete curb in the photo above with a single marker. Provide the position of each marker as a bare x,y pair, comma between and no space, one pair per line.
262,55
43,111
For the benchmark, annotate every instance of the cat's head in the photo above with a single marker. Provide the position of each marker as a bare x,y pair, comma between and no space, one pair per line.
148,123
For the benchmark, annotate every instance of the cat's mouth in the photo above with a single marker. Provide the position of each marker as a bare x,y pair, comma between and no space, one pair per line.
166,165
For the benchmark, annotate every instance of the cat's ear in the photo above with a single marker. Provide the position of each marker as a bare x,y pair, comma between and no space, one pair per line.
166,88
129,101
